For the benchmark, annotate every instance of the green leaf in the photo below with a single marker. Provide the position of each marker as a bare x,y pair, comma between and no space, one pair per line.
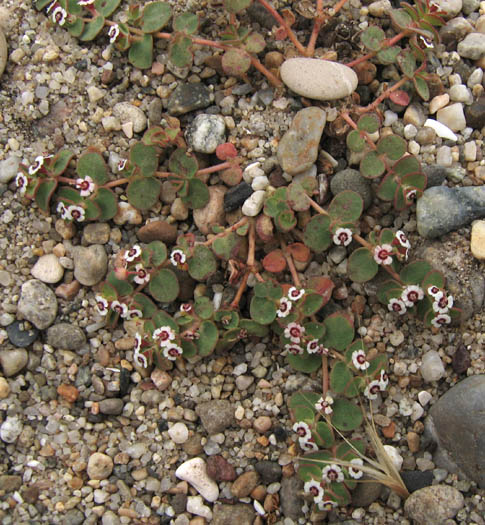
388,290
362,267
433,278
235,62
143,192
75,27
122,287
197,194
407,63
415,272
40,4
312,303
355,142
421,87
342,381
106,7
297,197
92,164
208,336
182,163
388,55
155,16
346,206
401,18
164,286
386,236
235,6
406,165
323,435
253,328
314,330
317,234
255,43
393,146
203,307
145,304
107,202
92,29
70,195
262,310
303,401
60,162
43,193
145,157
161,318
179,50
305,362
202,264
285,221
186,22
372,166
387,187
369,122
372,37
156,253
274,205
228,318
339,331
141,52
346,415
226,247
189,348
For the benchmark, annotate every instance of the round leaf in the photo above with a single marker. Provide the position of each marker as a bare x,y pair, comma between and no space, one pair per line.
317,234
143,192
369,122
156,252
285,221
305,362
346,416
393,146
346,206
141,52
60,162
106,7
323,435
155,16
342,381
362,267
372,166
235,62
355,142
92,29
262,310
107,202
203,307
339,331
208,336
372,37
145,157
92,164
255,43
202,264
274,261
182,163
164,286
186,22
312,302
43,193
180,53
235,6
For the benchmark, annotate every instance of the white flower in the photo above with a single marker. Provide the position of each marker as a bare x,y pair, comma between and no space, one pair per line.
21,181
342,236
138,340
440,320
302,429
59,16
177,257
76,212
324,405
51,6
383,380
412,294
133,314
122,164
315,489
133,253
284,307
120,308
172,351
186,308
294,332
101,305
359,360
442,303
356,473
294,294
410,194
85,2
372,389
113,33
163,335
35,167
307,445
403,240
332,473
396,305
142,276
382,254
327,505
313,347
434,291
86,186
294,349
140,359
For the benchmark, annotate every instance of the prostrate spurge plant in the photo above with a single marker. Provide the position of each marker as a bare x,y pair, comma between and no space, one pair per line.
146,284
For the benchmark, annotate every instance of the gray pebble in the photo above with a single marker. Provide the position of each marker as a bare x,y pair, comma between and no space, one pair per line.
21,336
127,112
111,406
11,429
206,132
10,166
188,97
37,304
96,233
216,415
291,497
472,46
66,335
433,505
3,52
48,269
90,264
13,361
350,179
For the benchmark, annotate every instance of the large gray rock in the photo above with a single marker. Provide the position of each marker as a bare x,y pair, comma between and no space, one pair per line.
66,335
37,304
434,505
472,46
188,97
441,209
90,264
231,514
350,179
456,423
291,497
216,415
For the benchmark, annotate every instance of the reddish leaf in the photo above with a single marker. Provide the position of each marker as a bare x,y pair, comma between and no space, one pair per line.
280,33
275,261
400,97
226,151
299,252
323,286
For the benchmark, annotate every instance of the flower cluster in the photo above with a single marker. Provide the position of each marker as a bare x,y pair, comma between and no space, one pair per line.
409,297
325,405
441,305
164,337
295,333
286,303
122,309
376,386
305,438
71,212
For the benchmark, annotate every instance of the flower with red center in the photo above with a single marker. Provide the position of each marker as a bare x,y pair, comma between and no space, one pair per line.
294,294
294,349
313,346
120,308
373,388
325,405
396,305
307,445
101,305
122,164
410,195
59,16
75,213
355,472
172,351
86,186
442,303
412,294
383,380
440,320
35,167
140,359
142,276
294,332
359,360
113,33
163,335
134,314
382,254
177,257
133,253
315,489
403,240
186,308
284,307
302,429
138,341
434,291
332,473
343,236
21,182
327,505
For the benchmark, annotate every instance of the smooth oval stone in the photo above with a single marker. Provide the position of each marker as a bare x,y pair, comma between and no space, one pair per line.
318,79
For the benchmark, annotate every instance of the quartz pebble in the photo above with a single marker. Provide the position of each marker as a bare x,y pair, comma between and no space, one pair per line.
13,361
438,102
179,433
253,204
194,472
10,429
440,129
318,79
452,116
127,112
90,264
472,46
37,304
4,388
396,458
432,368
99,466
477,241
434,505
196,506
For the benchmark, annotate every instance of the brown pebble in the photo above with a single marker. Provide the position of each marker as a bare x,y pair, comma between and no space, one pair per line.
68,291
122,458
219,469
197,521
358,305
403,382
244,484
413,441
128,513
258,493
65,229
262,424
273,59
68,392
161,379
390,430
107,76
288,470
271,502
125,343
158,231
102,356
366,72
31,494
47,451
76,483
461,360
263,441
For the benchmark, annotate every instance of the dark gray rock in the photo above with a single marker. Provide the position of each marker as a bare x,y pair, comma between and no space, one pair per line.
21,336
232,514
366,493
415,479
179,502
235,197
111,406
457,425
441,209
475,114
37,304
74,517
350,179
216,415
188,97
66,336
291,498
269,471
434,505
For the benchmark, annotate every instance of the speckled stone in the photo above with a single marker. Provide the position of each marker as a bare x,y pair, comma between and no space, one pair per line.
38,304
188,97
66,335
206,132
20,336
434,505
90,264
48,269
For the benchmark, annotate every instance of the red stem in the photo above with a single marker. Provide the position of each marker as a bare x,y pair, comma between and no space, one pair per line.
386,43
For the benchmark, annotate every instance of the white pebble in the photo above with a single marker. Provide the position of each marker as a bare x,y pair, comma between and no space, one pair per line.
470,151
396,458
441,130
390,117
259,508
194,472
252,171
179,433
438,102
432,368
410,131
196,506
10,429
253,204
260,182
417,412
424,397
